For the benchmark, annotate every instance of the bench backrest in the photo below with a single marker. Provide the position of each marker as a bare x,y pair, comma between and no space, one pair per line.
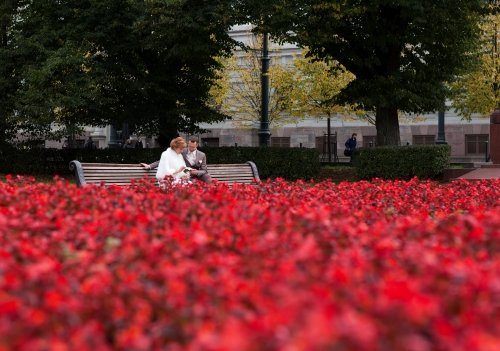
122,174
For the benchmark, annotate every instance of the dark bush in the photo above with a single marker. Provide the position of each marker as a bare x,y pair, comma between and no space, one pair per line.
288,163
402,162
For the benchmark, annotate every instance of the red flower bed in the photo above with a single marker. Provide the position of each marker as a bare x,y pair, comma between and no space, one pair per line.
289,266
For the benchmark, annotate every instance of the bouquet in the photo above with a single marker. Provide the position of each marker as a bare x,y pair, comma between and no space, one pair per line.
184,174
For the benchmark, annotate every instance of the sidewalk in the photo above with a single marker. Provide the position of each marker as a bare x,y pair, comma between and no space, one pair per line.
485,172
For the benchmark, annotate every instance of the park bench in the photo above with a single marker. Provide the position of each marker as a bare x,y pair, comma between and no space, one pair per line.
123,174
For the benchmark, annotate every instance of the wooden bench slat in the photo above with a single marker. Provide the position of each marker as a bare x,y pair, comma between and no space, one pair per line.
96,164
227,175
100,169
119,173
230,173
227,165
118,177
126,176
107,181
230,170
135,176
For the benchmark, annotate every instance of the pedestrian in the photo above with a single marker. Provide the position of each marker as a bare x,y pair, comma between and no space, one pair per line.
89,143
350,146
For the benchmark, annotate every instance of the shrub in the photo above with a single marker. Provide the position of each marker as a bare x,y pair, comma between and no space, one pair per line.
402,162
289,163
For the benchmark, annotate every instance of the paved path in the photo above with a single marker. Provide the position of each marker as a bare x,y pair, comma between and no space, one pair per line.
491,172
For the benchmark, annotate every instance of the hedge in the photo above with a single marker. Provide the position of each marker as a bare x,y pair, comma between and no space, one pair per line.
402,162
288,163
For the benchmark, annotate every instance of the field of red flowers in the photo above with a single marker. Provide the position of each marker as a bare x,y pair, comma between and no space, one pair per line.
381,265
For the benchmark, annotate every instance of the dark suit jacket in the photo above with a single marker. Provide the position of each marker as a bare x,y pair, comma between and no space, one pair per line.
200,163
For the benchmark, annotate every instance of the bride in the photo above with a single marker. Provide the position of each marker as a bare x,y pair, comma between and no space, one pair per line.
172,163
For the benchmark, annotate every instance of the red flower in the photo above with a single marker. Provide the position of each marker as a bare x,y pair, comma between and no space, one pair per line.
282,266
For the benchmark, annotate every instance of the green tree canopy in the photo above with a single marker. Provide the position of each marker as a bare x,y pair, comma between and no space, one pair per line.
8,81
401,52
479,90
92,62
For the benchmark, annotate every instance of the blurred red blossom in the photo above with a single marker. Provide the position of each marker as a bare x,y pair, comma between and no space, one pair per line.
381,265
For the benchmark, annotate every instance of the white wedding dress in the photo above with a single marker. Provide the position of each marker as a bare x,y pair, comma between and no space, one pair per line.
170,162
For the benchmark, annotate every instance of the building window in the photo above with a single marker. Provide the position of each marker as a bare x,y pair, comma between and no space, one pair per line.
369,140
424,139
475,144
210,142
280,141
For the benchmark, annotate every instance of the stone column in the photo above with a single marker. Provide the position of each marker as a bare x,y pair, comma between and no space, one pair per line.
495,137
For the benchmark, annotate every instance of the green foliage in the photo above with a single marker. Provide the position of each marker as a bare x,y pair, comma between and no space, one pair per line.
7,59
271,162
478,91
401,52
93,62
402,162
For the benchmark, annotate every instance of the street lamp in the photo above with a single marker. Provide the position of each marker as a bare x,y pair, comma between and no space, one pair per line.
264,133
441,139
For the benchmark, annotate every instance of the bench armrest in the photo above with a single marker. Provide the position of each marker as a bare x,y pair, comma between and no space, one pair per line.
254,170
76,167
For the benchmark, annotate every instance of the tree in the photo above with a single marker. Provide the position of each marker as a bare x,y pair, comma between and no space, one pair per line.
51,65
8,83
479,90
180,43
313,86
238,91
401,52
148,63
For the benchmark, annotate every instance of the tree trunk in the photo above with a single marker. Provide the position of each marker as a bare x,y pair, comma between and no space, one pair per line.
168,130
387,124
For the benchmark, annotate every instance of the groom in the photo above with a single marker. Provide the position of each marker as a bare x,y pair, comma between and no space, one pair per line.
194,158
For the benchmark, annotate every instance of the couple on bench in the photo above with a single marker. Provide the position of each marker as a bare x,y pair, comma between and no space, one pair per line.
182,164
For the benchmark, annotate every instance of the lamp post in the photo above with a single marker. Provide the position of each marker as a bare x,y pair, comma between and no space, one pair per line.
328,140
441,139
264,133
494,143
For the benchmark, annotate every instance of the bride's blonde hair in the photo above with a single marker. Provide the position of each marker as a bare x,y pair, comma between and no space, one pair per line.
177,143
